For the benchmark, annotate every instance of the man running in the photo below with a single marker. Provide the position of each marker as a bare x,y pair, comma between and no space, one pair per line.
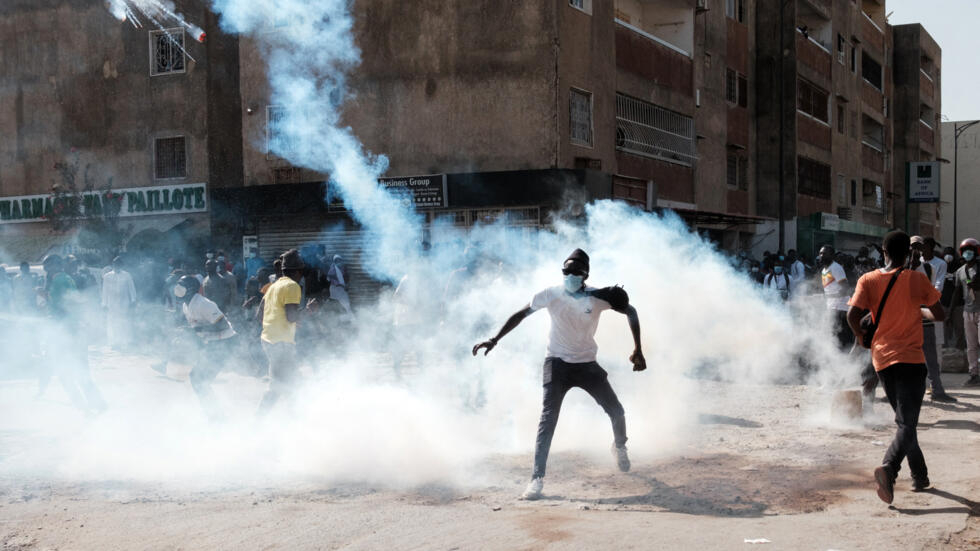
571,361
216,334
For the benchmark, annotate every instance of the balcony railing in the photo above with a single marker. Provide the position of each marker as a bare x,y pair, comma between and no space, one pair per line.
654,38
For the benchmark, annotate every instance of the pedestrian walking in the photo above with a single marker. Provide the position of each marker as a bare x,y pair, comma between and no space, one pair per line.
894,297
571,358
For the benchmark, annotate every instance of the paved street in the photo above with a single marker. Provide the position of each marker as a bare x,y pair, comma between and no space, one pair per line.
759,464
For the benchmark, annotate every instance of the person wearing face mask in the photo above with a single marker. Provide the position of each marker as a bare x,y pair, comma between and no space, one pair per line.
209,324
779,280
953,331
835,290
967,287
924,261
571,358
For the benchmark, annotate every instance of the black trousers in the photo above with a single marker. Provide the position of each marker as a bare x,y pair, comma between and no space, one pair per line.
905,386
559,378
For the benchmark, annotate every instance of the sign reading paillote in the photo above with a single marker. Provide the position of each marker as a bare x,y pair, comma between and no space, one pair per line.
924,182
418,191
140,201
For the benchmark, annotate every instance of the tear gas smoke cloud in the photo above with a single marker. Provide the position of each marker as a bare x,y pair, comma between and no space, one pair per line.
353,420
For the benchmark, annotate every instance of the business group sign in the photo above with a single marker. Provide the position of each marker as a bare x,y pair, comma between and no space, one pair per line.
924,182
141,201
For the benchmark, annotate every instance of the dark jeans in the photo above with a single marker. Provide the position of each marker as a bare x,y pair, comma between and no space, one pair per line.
559,378
905,385
932,359
845,337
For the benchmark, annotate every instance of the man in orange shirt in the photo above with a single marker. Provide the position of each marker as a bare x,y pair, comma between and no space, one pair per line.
896,351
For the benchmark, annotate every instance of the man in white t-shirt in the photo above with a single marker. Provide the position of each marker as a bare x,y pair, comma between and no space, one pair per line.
571,359
216,333
836,292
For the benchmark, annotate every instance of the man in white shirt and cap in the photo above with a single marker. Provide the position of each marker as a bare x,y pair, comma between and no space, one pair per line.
571,358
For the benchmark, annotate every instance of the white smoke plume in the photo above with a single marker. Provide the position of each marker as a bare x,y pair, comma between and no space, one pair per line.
446,412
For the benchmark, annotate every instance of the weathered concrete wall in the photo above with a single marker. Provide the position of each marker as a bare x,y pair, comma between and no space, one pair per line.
74,79
442,87
73,76
913,140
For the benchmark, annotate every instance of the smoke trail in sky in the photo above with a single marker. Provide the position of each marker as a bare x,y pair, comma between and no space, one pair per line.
309,48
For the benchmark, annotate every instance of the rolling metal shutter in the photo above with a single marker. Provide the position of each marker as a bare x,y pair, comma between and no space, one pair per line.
277,236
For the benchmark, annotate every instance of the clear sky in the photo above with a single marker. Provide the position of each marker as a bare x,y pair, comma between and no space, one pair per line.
953,24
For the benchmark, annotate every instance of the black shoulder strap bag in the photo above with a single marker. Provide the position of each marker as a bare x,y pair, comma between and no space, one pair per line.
869,324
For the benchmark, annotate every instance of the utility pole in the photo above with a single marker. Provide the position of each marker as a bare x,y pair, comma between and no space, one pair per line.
957,131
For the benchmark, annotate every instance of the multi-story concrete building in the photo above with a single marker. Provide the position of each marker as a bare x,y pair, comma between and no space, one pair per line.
649,101
960,182
837,128
149,108
679,104
917,112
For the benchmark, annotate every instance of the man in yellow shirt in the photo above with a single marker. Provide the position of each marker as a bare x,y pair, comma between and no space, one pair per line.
278,314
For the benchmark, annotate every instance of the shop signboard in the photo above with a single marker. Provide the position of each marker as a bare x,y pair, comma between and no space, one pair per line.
126,202
421,192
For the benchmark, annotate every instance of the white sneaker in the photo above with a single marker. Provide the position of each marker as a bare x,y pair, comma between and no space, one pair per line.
533,490
622,459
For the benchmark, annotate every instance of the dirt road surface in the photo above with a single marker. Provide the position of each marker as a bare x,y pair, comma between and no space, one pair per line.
754,472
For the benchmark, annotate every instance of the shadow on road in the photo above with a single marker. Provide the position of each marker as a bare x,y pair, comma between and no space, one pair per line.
971,508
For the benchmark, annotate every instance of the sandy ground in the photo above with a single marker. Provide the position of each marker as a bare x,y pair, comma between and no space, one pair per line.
753,472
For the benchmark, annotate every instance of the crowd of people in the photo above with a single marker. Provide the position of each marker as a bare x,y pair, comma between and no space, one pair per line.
223,308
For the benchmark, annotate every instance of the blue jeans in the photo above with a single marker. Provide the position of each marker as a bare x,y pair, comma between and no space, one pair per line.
559,378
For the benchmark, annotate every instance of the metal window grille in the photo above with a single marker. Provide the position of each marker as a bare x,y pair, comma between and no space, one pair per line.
651,131
731,88
732,174
167,51
580,117
813,178
170,158
278,141
812,100
743,173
